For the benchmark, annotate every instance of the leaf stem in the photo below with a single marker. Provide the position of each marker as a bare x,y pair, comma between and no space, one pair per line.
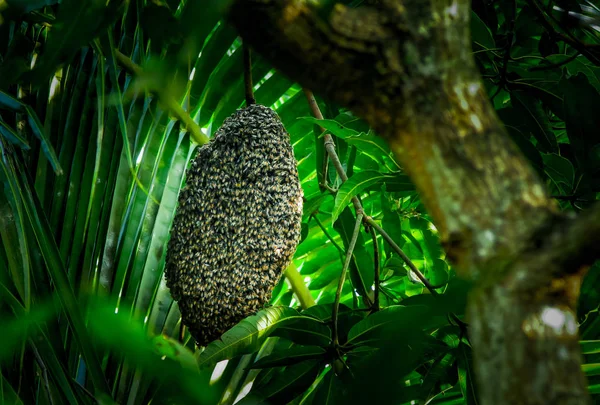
249,88
298,287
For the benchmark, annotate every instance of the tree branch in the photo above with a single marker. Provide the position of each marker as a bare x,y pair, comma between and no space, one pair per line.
406,67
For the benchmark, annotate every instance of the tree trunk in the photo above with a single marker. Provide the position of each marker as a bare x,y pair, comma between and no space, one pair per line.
407,68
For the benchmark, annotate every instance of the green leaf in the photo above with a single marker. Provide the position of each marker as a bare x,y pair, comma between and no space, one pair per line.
353,186
582,121
305,331
327,392
291,382
12,136
536,119
380,323
590,346
171,348
466,375
312,205
561,171
591,369
480,33
323,312
248,335
54,263
332,126
78,22
10,103
293,355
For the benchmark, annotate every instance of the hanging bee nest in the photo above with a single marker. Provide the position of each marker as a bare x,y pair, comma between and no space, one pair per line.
237,225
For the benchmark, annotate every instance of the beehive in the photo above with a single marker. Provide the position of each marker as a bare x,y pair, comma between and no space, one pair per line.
237,224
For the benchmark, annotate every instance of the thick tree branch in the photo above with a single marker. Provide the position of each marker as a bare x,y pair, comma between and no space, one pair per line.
407,69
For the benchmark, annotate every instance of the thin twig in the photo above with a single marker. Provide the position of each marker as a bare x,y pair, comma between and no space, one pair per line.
44,373
330,148
405,258
248,76
316,111
508,47
376,266
554,65
338,293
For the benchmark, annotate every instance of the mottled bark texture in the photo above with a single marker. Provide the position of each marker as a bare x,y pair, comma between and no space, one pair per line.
407,68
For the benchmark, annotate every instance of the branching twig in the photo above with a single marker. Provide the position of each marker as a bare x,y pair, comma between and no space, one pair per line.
338,293
248,86
330,148
402,255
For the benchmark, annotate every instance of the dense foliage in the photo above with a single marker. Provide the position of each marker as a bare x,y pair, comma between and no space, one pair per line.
102,105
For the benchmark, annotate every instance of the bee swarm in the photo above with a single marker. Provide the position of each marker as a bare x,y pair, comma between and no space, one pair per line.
237,224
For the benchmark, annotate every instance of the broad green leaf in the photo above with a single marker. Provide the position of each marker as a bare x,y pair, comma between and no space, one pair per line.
305,331
332,126
590,346
481,33
174,350
537,121
591,369
466,375
323,312
379,376
248,335
312,205
293,355
291,382
394,318
561,171
7,392
327,392
354,186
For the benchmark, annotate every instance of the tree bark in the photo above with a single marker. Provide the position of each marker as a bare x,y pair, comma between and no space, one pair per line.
407,68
